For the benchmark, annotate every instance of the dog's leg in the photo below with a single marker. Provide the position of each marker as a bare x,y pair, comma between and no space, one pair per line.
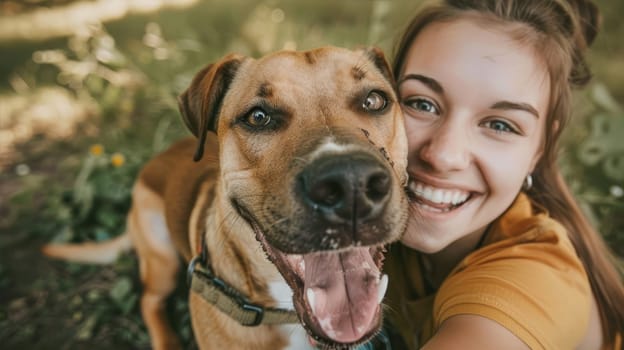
159,265
158,279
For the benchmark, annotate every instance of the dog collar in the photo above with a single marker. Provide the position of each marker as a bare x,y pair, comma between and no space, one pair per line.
226,298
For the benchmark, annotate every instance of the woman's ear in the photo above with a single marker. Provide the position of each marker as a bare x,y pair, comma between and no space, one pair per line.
540,152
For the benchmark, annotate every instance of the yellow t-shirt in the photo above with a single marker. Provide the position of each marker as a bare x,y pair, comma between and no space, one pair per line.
526,276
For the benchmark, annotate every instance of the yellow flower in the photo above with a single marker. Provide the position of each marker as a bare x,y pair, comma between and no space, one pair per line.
96,149
118,159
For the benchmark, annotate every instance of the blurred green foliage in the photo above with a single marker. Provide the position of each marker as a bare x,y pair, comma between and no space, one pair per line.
131,70
592,160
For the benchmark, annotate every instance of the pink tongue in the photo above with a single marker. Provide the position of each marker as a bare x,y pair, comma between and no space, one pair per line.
342,290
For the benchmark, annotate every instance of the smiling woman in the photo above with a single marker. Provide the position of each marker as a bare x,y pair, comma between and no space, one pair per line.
497,254
474,135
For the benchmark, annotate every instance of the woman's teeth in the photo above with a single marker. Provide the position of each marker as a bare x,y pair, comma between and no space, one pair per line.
438,195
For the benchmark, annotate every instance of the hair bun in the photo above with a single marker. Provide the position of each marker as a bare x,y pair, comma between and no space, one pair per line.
589,19
585,23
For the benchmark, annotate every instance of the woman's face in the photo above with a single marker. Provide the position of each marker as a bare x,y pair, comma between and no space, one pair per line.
475,103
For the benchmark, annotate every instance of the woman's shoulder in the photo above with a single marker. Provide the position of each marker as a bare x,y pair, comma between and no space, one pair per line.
525,221
526,277
528,233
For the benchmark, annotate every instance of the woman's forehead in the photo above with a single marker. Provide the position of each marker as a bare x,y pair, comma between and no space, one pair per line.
462,55
467,39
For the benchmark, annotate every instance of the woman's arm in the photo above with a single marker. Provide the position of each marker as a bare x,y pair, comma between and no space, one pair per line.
468,332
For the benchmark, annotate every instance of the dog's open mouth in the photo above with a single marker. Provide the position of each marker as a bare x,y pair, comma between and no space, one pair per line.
337,294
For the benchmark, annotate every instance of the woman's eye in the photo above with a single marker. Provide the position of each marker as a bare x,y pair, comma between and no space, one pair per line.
422,105
375,101
499,126
258,118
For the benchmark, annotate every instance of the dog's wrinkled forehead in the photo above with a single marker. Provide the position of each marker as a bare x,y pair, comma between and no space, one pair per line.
263,96
318,73
328,68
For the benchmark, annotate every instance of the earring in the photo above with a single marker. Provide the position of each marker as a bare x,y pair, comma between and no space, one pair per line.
528,183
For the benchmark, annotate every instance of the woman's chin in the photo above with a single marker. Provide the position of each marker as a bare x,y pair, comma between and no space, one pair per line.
423,240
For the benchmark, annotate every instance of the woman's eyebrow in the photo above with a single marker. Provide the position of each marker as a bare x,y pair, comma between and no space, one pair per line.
430,82
503,105
508,105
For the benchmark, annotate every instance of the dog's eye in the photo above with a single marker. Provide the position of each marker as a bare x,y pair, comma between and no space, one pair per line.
258,118
375,101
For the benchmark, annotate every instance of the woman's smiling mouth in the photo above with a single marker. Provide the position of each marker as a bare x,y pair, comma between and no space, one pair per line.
435,199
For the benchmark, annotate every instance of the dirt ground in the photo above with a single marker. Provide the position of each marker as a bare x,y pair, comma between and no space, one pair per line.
48,304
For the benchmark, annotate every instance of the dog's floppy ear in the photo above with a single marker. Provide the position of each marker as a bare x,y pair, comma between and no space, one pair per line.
379,59
201,102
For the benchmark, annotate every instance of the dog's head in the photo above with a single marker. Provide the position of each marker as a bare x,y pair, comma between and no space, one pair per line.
313,156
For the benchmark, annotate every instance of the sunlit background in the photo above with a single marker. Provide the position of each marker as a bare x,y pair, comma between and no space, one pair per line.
88,93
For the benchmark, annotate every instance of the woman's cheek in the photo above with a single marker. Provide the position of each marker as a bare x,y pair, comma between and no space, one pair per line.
416,131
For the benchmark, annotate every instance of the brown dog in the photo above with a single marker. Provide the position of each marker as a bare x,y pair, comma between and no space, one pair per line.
290,207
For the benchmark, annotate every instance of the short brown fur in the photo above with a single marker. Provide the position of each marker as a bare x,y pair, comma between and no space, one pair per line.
194,199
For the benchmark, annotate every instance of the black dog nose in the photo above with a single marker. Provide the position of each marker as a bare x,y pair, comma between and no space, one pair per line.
346,188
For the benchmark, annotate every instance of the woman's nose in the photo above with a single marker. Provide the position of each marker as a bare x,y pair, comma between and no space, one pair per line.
447,148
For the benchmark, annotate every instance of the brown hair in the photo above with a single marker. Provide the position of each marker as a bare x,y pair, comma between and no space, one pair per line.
560,31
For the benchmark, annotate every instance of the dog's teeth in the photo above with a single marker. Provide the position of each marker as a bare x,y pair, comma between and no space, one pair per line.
310,295
383,287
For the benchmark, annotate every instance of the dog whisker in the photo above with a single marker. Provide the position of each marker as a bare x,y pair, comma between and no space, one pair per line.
300,161
277,222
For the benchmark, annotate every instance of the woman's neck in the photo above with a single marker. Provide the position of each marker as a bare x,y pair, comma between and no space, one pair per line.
437,266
